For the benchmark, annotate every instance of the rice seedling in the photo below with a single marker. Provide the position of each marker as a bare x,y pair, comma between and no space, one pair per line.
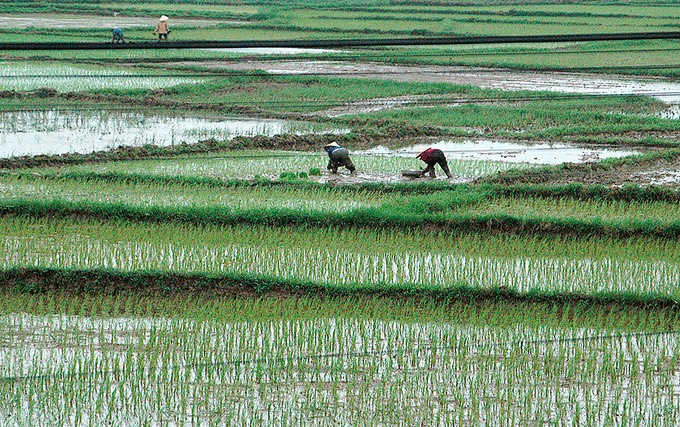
227,366
351,258
25,76
207,183
161,194
571,208
249,164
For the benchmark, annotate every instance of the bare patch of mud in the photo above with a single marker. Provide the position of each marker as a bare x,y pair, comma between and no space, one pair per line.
345,178
578,83
93,21
664,173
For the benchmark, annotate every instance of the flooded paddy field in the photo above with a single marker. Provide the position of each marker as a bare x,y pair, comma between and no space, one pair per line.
80,370
53,132
34,133
199,279
578,83
361,258
501,151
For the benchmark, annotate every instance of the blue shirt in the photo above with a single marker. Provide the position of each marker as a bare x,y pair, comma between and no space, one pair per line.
331,149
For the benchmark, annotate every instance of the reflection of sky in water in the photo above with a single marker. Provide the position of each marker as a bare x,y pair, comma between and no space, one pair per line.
508,152
56,132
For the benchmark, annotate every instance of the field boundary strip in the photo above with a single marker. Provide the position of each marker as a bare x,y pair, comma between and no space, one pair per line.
153,283
371,218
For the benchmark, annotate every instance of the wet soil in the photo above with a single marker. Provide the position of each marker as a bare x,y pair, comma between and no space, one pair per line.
662,173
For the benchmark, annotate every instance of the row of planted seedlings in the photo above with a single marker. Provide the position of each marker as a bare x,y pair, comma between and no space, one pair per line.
638,269
273,165
573,209
92,359
563,264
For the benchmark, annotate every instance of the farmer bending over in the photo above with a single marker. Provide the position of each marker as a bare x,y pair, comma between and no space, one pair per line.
339,156
118,36
434,156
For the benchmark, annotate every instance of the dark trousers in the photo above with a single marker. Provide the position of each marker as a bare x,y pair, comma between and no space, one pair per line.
340,158
437,158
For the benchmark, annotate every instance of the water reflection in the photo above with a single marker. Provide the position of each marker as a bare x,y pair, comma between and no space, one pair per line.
57,132
540,153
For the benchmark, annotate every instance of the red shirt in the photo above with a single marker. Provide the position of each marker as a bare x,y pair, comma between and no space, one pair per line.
425,155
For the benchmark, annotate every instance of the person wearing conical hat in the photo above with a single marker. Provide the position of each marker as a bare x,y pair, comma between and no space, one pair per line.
432,157
162,28
338,156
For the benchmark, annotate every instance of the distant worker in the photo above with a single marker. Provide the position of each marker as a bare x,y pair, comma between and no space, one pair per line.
162,28
338,156
434,156
118,36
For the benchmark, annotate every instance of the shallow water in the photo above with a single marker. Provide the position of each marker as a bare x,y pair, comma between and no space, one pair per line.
672,113
58,132
579,83
542,153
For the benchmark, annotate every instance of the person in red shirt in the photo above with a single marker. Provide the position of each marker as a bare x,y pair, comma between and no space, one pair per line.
434,156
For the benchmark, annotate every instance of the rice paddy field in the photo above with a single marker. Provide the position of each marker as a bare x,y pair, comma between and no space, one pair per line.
174,251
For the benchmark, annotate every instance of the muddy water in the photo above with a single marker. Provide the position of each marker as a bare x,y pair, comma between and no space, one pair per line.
57,132
540,153
579,83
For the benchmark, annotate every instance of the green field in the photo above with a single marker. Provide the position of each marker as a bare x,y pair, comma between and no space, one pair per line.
225,277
